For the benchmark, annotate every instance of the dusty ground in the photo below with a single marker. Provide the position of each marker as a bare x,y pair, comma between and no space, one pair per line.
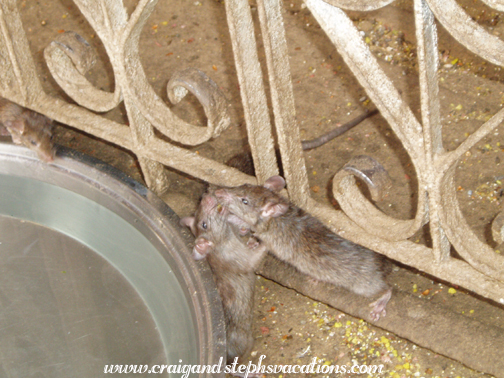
290,328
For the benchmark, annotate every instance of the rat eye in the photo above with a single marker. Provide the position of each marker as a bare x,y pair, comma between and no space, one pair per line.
33,142
204,225
244,201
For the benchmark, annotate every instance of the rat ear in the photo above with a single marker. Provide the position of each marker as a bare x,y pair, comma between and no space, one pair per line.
274,209
3,130
16,128
189,222
212,188
202,248
275,183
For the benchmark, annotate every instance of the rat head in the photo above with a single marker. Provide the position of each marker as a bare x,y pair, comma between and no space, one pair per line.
206,225
209,225
208,216
252,204
34,131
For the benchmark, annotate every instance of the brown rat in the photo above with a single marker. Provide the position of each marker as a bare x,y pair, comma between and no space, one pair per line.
233,259
300,239
243,161
27,127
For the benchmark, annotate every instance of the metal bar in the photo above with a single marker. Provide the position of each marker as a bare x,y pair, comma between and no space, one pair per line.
252,89
289,140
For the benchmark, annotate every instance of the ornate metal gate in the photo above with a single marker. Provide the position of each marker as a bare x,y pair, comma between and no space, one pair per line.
69,57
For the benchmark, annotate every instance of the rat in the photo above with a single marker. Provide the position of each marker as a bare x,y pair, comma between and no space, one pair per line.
233,256
296,237
244,162
27,127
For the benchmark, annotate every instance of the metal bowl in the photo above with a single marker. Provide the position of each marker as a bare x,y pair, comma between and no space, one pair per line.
95,272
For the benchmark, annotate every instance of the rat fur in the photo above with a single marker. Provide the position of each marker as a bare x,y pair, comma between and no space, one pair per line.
300,239
233,259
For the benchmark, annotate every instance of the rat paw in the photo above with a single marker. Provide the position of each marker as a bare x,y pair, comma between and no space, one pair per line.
375,314
252,243
379,306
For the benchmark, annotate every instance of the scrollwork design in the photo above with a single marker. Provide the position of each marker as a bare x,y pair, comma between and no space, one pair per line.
381,90
69,55
355,205
437,202
68,58
206,91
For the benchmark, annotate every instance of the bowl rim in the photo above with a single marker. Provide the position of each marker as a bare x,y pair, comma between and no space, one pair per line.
156,215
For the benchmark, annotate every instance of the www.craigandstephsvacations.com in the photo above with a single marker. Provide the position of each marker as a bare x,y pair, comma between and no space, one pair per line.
244,370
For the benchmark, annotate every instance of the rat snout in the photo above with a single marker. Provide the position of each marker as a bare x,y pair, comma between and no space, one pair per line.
47,156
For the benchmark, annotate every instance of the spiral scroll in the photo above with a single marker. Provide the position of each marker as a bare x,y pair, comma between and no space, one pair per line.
69,57
206,91
363,212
